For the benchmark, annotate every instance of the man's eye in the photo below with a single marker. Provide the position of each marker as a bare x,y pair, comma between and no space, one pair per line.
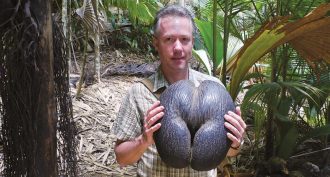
169,40
185,39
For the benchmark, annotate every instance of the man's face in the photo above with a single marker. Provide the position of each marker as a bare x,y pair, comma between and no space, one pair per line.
174,42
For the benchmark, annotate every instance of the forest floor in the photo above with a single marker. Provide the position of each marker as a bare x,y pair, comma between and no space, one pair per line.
94,113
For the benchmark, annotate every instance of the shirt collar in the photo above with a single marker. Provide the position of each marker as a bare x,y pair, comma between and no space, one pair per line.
160,81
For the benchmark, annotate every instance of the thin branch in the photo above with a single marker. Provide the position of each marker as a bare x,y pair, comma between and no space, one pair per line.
258,14
309,153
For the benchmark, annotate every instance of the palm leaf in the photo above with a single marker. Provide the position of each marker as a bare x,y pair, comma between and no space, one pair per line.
88,17
206,30
316,132
288,136
201,56
266,92
141,10
259,118
303,90
279,31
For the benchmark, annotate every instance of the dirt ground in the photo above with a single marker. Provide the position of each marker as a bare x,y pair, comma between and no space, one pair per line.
94,113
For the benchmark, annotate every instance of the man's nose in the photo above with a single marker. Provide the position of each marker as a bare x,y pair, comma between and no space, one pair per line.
177,45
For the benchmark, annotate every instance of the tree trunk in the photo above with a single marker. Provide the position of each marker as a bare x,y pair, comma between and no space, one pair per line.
215,33
66,20
270,132
97,57
45,158
82,73
97,46
27,92
181,2
269,148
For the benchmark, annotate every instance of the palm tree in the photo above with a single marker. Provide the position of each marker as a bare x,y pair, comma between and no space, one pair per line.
35,104
27,89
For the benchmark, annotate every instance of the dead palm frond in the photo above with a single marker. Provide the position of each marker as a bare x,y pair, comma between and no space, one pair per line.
89,18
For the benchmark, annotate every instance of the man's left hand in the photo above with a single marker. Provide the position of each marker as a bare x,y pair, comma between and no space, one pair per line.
236,126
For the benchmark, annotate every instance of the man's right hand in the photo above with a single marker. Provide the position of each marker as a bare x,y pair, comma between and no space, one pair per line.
154,113
129,152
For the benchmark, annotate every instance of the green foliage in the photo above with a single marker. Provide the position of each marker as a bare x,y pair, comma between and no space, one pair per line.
268,94
201,56
258,110
317,132
132,23
140,11
206,32
287,132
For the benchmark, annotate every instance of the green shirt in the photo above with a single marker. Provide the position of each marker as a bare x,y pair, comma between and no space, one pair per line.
130,120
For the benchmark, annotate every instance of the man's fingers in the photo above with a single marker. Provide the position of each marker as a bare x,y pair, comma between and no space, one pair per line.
153,106
235,141
234,122
236,126
154,128
233,130
155,118
154,111
238,118
149,131
238,111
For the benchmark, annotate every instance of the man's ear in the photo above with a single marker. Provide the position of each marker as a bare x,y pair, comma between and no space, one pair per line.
155,43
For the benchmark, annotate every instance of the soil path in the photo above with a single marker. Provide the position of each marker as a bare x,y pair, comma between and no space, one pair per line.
95,112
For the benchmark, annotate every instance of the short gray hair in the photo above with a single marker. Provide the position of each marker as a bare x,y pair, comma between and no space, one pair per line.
173,11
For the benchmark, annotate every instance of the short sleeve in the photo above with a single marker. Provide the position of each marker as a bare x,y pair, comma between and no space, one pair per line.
127,124
129,121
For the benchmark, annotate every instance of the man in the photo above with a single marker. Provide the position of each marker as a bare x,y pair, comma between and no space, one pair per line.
135,123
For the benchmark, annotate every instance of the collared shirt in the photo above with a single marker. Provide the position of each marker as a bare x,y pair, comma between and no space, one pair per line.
130,120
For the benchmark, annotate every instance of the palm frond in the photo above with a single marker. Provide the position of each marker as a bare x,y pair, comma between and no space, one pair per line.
258,114
267,93
142,10
303,90
280,31
88,17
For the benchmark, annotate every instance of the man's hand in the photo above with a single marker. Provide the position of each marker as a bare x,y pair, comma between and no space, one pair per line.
154,113
129,152
236,126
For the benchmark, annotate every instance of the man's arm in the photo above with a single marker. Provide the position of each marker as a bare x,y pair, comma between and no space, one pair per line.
236,127
129,152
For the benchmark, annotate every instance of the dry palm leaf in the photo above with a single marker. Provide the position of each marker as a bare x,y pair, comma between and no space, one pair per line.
310,36
87,15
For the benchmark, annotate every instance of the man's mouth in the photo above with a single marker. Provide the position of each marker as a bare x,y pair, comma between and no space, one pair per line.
178,58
